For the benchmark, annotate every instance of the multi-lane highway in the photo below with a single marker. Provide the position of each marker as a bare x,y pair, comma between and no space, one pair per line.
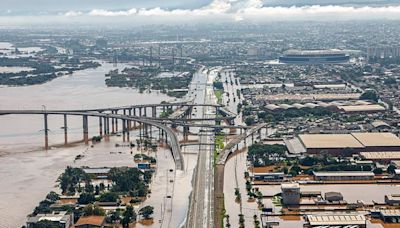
201,206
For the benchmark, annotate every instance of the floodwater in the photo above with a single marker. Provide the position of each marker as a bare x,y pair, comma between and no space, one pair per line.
28,173
83,89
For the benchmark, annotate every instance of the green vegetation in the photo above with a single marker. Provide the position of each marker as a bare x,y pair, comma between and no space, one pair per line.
371,95
146,211
269,116
42,71
93,210
128,180
219,145
70,179
146,78
262,155
128,216
218,95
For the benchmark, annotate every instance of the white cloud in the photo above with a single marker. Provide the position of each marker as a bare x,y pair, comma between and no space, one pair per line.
253,9
73,13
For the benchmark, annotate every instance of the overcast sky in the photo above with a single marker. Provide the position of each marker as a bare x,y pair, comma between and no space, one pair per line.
166,11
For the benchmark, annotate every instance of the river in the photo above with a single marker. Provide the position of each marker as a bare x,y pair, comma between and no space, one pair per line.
28,173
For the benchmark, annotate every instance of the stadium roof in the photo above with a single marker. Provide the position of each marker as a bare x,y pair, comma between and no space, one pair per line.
329,141
377,139
313,52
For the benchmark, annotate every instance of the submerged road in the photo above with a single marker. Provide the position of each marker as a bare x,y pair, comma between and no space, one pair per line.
174,142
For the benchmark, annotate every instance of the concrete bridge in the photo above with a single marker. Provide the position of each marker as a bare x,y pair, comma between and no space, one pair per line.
104,127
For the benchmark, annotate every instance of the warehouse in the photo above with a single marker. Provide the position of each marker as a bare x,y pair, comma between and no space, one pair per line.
378,141
274,177
337,220
331,143
347,144
343,176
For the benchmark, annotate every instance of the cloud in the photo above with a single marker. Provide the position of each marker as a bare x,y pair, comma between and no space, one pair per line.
73,13
214,11
245,9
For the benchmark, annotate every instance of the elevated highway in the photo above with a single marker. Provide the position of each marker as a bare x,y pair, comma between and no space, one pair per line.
174,142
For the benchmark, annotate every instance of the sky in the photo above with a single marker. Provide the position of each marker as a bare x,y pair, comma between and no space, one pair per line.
185,11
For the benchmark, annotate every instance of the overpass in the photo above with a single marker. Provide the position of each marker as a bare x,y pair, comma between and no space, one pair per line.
220,171
126,123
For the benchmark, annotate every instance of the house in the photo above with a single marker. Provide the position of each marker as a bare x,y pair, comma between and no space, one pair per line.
61,218
90,221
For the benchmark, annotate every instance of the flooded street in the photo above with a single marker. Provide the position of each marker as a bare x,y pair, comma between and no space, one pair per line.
27,172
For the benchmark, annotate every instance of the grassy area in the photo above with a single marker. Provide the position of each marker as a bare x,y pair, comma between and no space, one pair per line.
219,145
218,94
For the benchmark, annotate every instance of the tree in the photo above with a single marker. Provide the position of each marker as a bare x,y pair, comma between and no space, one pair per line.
52,197
108,197
86,198
249,121
93,210
378,171
129,216
391,169
45,224
146,211
370,95
308,161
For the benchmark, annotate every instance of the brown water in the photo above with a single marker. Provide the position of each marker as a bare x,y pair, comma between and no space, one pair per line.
25,176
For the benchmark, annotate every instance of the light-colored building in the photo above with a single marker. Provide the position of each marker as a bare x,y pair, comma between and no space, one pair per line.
63,219
290,193
337,220
346,144
343,176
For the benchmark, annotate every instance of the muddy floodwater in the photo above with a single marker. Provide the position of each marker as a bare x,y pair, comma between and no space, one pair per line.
28,173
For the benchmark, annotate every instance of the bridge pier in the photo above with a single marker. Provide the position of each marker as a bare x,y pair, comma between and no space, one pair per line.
116,123
85,130
100,127
65,130
46,133
145,111
127,132
113,120
154,111
123,130
140,112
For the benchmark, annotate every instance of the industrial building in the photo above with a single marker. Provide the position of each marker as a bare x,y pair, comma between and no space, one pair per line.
337,220
347,144
274,177
387,216
290,193
343,175
333,196
314,57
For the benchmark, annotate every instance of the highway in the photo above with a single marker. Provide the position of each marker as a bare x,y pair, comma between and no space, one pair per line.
201,205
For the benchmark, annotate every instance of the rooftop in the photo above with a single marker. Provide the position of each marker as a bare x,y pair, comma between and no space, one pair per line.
91,220
290,186
377,139
344,173
362,108
340,219
395,155
329,141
